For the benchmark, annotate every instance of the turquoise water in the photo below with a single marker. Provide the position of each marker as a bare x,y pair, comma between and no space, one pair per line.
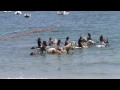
93,62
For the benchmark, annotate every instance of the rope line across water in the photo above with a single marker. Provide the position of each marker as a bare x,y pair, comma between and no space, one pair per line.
27,33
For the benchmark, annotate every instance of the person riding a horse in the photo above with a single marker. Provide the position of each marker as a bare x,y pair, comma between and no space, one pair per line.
89,37
59,46
50,41
67,41
39,42
103,41
80,42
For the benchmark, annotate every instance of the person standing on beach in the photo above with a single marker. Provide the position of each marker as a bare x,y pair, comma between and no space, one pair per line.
44,45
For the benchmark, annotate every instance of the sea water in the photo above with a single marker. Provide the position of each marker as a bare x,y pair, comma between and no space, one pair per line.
92,62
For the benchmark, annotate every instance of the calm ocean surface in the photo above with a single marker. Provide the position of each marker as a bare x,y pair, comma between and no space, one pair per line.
93,62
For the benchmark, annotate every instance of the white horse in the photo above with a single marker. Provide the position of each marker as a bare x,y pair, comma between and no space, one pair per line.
100,46
86,43
53,51
66,49
75,45
91,42
55,41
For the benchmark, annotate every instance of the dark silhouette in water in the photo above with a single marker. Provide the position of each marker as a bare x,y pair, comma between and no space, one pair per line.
32,53
50,41
33,47
67,41
39,42
43,48
102,39
80,42
89,37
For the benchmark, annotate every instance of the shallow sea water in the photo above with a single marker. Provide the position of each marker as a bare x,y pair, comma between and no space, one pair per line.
93,62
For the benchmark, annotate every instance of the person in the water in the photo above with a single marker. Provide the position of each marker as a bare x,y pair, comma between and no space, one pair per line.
44,45
89,37
39,42
103,41
59,46
50,41
67,41
80,42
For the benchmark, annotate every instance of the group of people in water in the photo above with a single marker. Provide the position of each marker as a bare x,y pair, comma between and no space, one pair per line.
43,44
59,45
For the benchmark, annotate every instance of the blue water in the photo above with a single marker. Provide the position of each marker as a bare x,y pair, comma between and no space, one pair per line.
93,62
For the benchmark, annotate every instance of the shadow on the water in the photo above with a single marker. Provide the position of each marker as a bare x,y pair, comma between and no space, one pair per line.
59,57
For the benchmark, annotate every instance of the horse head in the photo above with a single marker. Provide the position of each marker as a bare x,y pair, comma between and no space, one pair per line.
91,42
55,41
68,47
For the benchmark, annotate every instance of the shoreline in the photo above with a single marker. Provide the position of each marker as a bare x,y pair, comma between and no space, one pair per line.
70,77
